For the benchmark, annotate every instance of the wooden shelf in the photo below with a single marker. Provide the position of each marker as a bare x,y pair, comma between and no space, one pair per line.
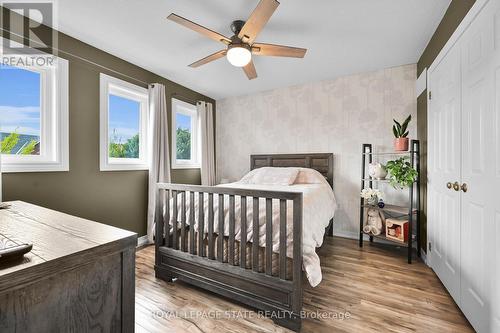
391,153
393,209
380,180
382,236
375,180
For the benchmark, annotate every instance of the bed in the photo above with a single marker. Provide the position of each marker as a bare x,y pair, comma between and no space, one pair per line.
204,240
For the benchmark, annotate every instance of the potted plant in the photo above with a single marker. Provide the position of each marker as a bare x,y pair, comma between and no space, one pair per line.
401,173
401,134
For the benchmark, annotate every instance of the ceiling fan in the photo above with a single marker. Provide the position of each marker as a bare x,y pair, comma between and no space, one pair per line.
241,46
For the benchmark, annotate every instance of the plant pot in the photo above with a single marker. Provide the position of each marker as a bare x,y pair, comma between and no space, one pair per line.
401,144
377,171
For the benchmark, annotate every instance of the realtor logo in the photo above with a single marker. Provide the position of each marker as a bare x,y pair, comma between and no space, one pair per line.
26,27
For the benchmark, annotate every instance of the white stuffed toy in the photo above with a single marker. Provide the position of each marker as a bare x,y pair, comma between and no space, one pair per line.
374,221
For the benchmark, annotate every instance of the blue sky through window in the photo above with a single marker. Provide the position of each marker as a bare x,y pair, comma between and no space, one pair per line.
124,118
183,121
19,101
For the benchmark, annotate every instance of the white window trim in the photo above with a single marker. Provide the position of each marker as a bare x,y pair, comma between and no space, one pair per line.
188,109
54,124
109,84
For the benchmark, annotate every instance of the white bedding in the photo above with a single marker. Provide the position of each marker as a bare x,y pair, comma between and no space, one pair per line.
319,207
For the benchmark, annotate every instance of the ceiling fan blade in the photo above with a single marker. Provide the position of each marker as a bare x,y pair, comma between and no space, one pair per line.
257,20
199,29
250,70
262,49
207,59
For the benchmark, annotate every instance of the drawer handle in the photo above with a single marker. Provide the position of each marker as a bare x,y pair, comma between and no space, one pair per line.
448,185
464,187
456,186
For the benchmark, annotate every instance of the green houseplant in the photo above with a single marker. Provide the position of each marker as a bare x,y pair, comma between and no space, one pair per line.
401,173
401,133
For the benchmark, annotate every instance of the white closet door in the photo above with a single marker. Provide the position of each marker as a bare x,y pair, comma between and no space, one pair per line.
478,170
444,167
495,151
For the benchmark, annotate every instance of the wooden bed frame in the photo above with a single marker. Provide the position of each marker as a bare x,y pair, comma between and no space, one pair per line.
177,255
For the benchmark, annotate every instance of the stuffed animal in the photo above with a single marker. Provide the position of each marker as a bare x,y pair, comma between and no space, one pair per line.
374,221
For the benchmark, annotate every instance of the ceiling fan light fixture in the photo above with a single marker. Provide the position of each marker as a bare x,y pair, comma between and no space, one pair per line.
239,55
240,48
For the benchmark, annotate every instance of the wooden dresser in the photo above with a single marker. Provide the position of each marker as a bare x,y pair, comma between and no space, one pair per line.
79,277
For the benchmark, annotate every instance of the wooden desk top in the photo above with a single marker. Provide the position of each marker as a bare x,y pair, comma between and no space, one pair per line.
60,242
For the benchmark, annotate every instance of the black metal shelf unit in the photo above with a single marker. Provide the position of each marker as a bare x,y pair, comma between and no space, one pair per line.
411,211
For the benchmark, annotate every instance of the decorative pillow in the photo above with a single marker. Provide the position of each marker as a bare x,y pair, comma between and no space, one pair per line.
246,178
271,176
309,176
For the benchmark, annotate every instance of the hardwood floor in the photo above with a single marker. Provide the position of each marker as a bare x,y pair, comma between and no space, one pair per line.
372,287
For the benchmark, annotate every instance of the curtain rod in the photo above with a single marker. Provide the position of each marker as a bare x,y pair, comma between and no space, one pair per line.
185,98
75,56
94,63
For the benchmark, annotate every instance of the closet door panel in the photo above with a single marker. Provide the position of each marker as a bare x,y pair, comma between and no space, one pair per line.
495,283
478,170
495,280
444,167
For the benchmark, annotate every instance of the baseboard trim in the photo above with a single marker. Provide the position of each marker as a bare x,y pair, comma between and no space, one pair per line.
346,234
423,256
355,235
143,240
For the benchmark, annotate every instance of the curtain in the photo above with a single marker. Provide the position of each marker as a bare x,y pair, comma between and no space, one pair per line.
159,159
205,110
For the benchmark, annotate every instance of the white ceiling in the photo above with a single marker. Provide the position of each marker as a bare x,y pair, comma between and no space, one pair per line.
342,37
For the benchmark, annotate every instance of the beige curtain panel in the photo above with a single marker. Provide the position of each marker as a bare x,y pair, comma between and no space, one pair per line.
205,110
159,159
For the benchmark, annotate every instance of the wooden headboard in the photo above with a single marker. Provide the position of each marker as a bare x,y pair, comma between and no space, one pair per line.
323,163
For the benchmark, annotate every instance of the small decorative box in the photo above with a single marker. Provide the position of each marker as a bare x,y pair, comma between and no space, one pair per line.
396,230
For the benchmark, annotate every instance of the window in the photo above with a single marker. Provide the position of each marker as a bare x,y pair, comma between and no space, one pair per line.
185,135
34,115
123,125
20,111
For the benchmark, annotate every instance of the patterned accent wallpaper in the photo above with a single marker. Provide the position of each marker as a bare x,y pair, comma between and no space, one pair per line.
335,116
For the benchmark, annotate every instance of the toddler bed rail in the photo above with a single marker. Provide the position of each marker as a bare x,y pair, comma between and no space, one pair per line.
239,269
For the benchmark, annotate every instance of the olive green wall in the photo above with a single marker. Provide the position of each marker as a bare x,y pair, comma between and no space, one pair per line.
452,18
114,198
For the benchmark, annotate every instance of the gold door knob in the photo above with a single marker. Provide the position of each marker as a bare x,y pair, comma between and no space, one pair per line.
456,186
464,187
448,185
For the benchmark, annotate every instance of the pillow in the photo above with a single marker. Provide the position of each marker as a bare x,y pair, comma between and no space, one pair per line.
271,176
309,176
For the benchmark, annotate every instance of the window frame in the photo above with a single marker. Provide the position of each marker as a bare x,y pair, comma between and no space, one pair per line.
54,122
190,110
109,85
